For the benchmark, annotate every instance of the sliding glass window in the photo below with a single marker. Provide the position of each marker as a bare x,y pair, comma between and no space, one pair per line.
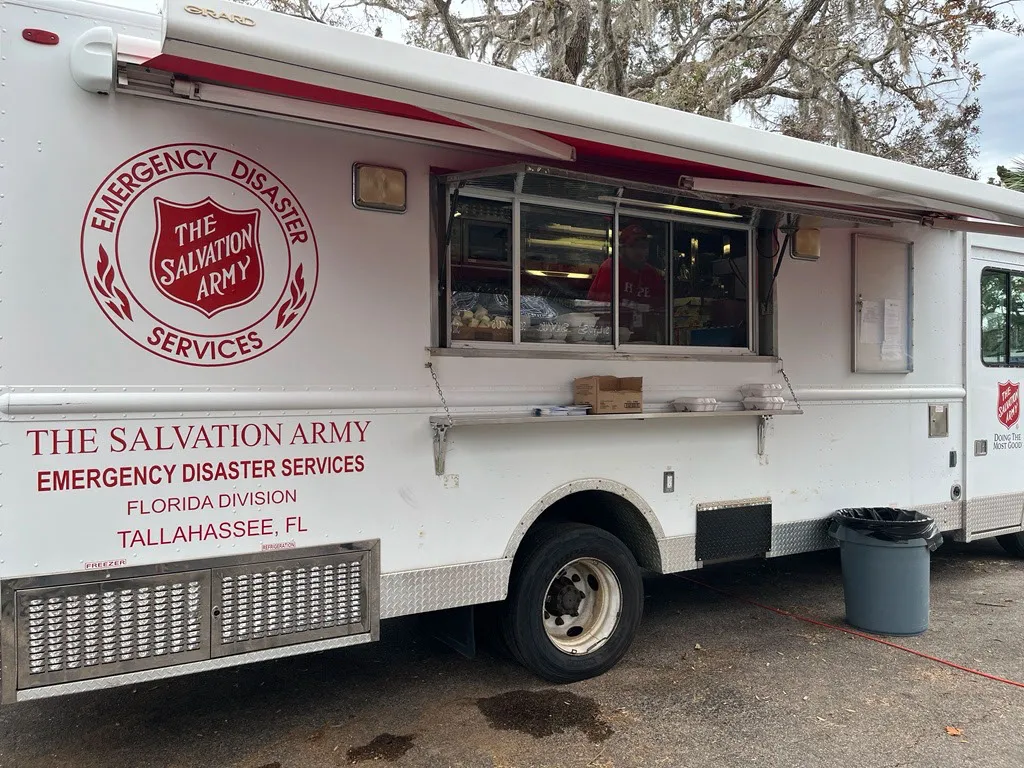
564,255
710,286
594,270
481,271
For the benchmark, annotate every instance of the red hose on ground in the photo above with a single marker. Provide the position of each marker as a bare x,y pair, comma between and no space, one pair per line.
852,632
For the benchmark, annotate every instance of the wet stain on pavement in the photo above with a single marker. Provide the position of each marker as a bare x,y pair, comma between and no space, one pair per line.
271,765
387,747
545,713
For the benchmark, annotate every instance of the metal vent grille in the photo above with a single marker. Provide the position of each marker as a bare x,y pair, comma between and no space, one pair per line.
90,630
278,604
84,627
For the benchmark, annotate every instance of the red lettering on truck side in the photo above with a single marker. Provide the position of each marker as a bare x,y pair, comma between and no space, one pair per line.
186,534
88,478
188,348
321,465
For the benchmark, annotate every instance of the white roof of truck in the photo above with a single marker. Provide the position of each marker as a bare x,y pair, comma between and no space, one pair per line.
420,92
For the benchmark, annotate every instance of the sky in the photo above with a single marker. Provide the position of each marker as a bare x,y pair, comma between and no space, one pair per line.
1001,58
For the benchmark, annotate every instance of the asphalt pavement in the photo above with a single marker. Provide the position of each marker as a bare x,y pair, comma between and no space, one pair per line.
712,680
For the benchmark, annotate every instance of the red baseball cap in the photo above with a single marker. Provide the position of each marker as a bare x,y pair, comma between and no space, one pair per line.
634,233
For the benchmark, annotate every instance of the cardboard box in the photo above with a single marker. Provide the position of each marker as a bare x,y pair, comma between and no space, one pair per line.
610,394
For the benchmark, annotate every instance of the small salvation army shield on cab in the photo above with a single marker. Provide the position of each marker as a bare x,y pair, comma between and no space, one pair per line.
1008,403
206,256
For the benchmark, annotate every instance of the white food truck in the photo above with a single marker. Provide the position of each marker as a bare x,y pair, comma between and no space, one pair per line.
296,326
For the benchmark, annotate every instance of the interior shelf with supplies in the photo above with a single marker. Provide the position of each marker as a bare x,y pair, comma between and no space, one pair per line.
441,425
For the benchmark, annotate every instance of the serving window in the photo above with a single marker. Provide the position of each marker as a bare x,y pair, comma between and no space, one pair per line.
539,258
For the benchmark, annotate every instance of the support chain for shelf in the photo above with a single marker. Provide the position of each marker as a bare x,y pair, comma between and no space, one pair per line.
796,400
440,394
440,430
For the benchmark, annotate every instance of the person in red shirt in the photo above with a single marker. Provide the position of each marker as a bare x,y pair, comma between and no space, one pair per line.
641,286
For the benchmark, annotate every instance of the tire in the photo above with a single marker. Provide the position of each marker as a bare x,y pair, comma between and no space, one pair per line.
557,564
1013,543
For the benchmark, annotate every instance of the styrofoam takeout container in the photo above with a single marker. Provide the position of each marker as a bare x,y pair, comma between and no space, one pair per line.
761,390
695,404
764,403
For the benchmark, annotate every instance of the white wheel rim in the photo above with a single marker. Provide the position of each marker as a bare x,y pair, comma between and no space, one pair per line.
582,606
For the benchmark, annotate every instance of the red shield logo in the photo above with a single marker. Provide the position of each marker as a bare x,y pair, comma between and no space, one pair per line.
1008,403
206,256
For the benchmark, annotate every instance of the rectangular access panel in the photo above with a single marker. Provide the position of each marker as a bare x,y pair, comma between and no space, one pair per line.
733,529
73,627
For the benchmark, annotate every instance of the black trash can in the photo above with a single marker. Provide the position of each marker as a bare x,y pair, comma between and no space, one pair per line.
886,562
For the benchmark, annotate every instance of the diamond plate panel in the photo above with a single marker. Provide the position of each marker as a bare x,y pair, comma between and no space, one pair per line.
948,515
87,630
755,501
433,589
995,513
801,536
812,535
678,553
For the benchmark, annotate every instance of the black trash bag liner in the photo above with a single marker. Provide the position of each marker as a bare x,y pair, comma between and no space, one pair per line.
888,524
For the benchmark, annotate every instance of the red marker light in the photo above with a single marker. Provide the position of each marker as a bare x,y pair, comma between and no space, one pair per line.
40,36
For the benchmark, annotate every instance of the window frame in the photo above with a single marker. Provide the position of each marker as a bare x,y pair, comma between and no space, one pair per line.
1008,275
467,191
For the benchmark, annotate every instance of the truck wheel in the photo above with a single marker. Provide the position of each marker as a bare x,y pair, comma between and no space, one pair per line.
574,603
1013,543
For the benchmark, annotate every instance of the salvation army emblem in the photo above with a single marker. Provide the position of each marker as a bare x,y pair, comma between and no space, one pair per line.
1008,403
206,256
199,255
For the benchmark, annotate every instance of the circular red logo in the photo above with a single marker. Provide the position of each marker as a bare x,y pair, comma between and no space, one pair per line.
199,254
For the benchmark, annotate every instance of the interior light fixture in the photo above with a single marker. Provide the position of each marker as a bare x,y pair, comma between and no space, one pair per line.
668,207
578,230
568,242
551,273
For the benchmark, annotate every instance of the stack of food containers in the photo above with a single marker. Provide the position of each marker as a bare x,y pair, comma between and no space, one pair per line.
763,397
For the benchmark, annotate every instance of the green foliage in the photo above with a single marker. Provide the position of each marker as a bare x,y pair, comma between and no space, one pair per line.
1012,177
